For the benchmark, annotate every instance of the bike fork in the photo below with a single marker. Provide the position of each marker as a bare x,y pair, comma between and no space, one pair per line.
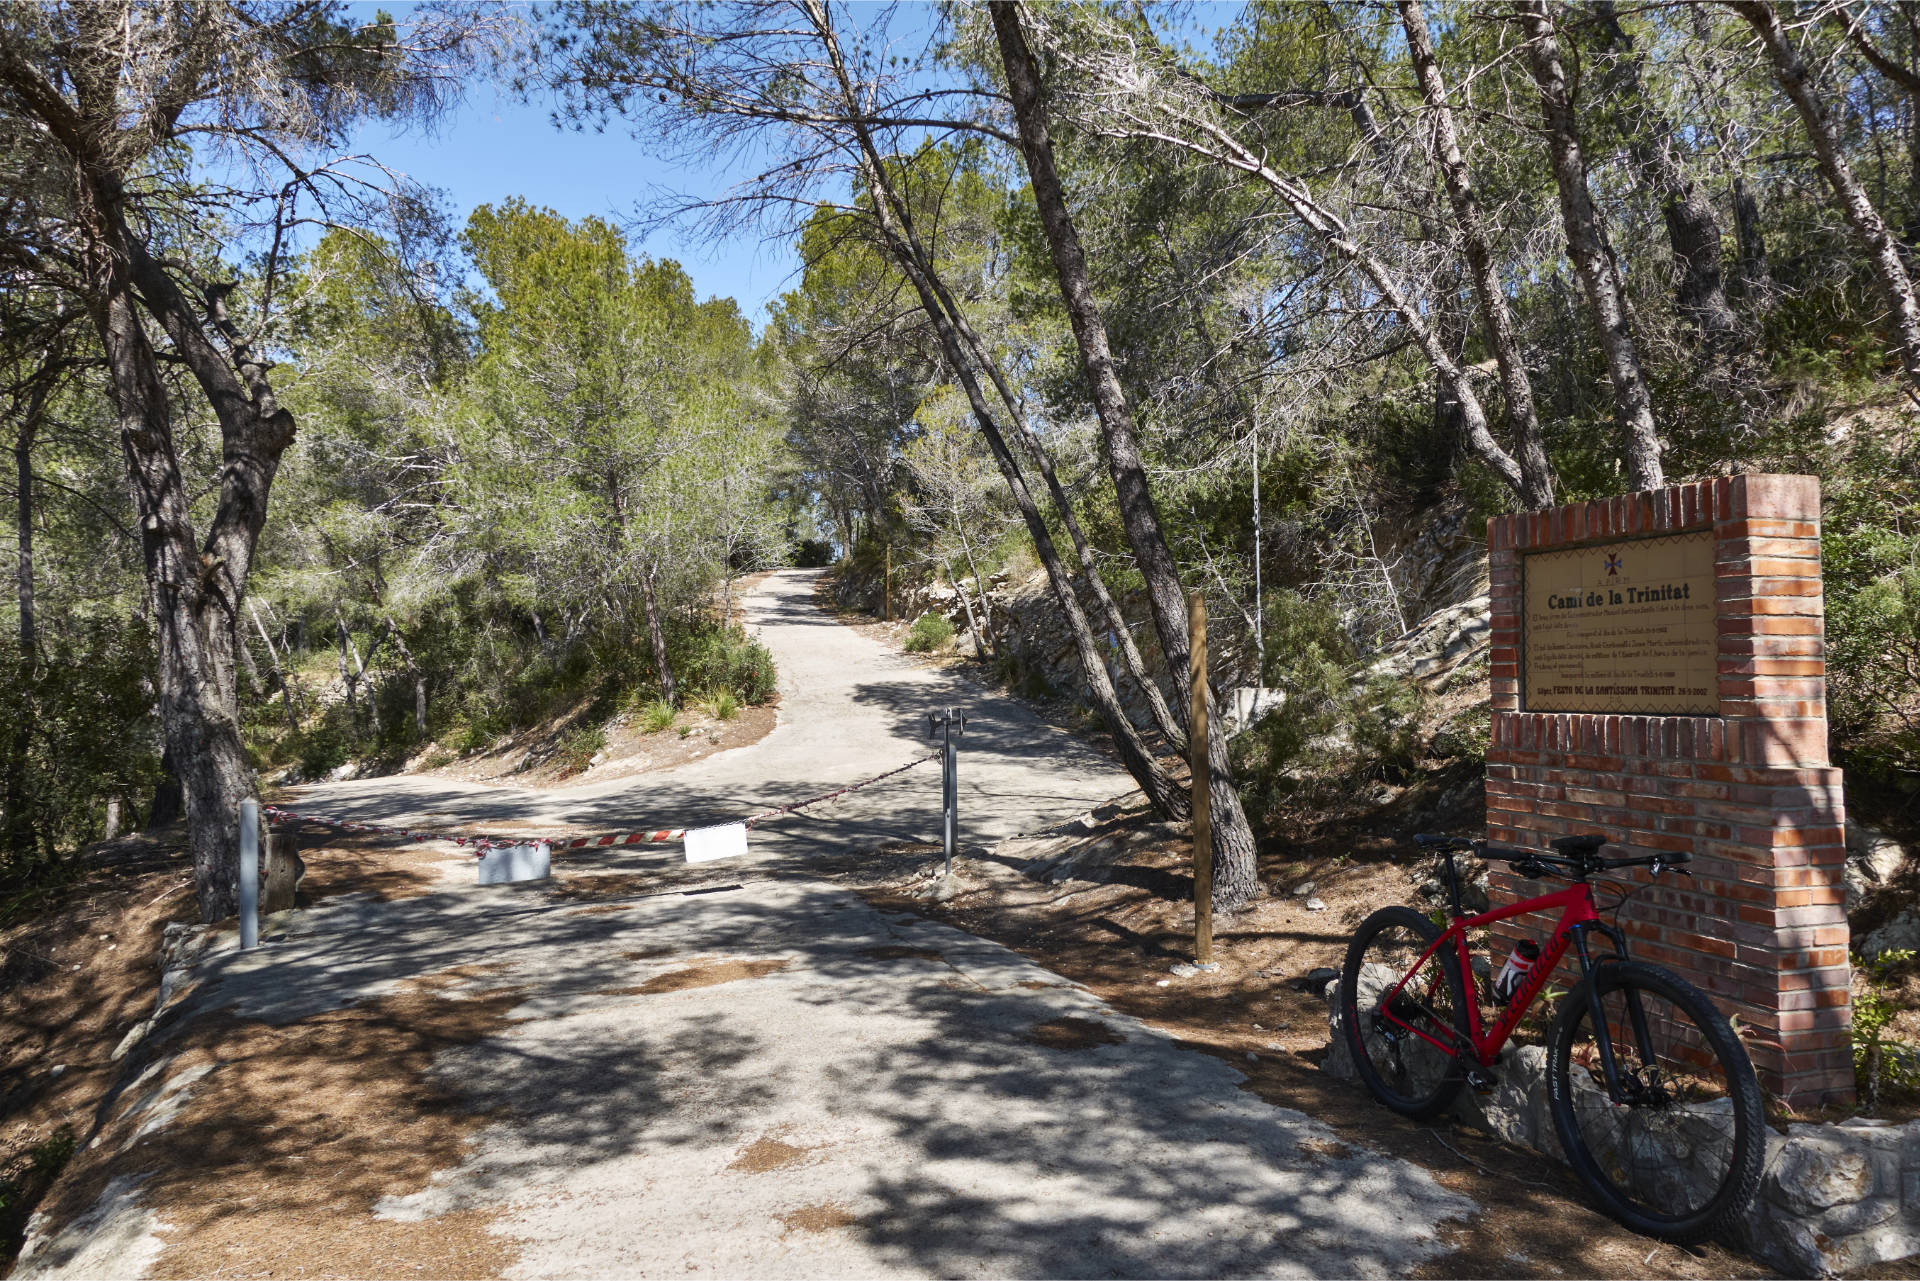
1602,1035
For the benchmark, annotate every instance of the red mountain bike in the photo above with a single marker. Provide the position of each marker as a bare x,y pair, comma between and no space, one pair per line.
1653,1097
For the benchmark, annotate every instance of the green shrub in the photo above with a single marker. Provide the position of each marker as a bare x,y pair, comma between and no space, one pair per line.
656,716
726,659
578,748
1464,737
1880,1060
326,745
1386,725
1027,682
1333,733
929,632
1871,564
85,722
24,1181
470,736
724,705
753,677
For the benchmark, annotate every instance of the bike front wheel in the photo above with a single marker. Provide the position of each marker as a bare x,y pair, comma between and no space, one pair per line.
1402,1035
1675,1151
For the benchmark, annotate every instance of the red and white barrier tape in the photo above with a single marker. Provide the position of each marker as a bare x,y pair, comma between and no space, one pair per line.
659,836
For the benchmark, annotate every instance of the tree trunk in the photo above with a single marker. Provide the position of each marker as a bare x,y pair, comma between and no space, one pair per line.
1164,794
1136,665
1450,323
194,671
1235,869
279,672
258,686
1496,320
23,443
984,640
193,592
1586,245
658,637
418,681
1849,197
350,676
16,794
1693,229
1751,269
901,243
966,603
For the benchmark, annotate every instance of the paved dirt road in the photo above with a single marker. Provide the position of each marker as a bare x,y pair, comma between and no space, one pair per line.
850,707
781,1079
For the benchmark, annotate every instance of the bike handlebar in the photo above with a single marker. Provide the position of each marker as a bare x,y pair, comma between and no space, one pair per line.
1534,863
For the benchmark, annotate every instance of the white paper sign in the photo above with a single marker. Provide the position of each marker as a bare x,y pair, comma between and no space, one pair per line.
704,844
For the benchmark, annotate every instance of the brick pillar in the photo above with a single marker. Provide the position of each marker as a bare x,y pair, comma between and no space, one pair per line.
1749,792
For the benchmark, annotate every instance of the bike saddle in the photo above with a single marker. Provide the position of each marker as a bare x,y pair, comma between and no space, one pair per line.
1575,846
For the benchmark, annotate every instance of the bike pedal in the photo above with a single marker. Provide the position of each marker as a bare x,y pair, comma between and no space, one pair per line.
1482,1081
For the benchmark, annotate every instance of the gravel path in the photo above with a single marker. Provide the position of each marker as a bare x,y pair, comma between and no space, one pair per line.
781,1079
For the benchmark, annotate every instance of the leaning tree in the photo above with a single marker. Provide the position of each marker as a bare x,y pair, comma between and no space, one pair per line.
163,133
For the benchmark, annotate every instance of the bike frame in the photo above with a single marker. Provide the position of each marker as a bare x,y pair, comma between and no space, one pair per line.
1576,918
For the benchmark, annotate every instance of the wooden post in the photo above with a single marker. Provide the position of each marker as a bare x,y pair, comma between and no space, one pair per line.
886,592
1202,797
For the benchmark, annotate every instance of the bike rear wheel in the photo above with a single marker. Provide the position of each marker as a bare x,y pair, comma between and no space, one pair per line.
1681,1156
1389,1040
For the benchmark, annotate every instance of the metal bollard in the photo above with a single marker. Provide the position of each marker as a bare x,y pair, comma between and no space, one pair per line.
249,874
947,719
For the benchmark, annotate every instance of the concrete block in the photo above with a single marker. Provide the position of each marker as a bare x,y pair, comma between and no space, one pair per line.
507,864
284,871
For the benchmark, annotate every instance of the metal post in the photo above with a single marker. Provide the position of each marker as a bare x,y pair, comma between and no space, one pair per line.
946,720
951,788
249,873
1202,782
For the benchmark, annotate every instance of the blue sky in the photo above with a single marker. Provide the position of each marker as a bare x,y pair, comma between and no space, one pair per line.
495,146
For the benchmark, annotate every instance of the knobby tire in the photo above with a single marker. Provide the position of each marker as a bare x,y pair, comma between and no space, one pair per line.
1657,1167
1413,1078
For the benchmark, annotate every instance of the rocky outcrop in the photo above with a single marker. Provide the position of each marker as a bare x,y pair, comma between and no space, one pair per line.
1874,859
1450,639
1901,934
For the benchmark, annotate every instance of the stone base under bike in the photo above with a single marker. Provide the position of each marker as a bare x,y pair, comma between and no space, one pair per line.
1834,1198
